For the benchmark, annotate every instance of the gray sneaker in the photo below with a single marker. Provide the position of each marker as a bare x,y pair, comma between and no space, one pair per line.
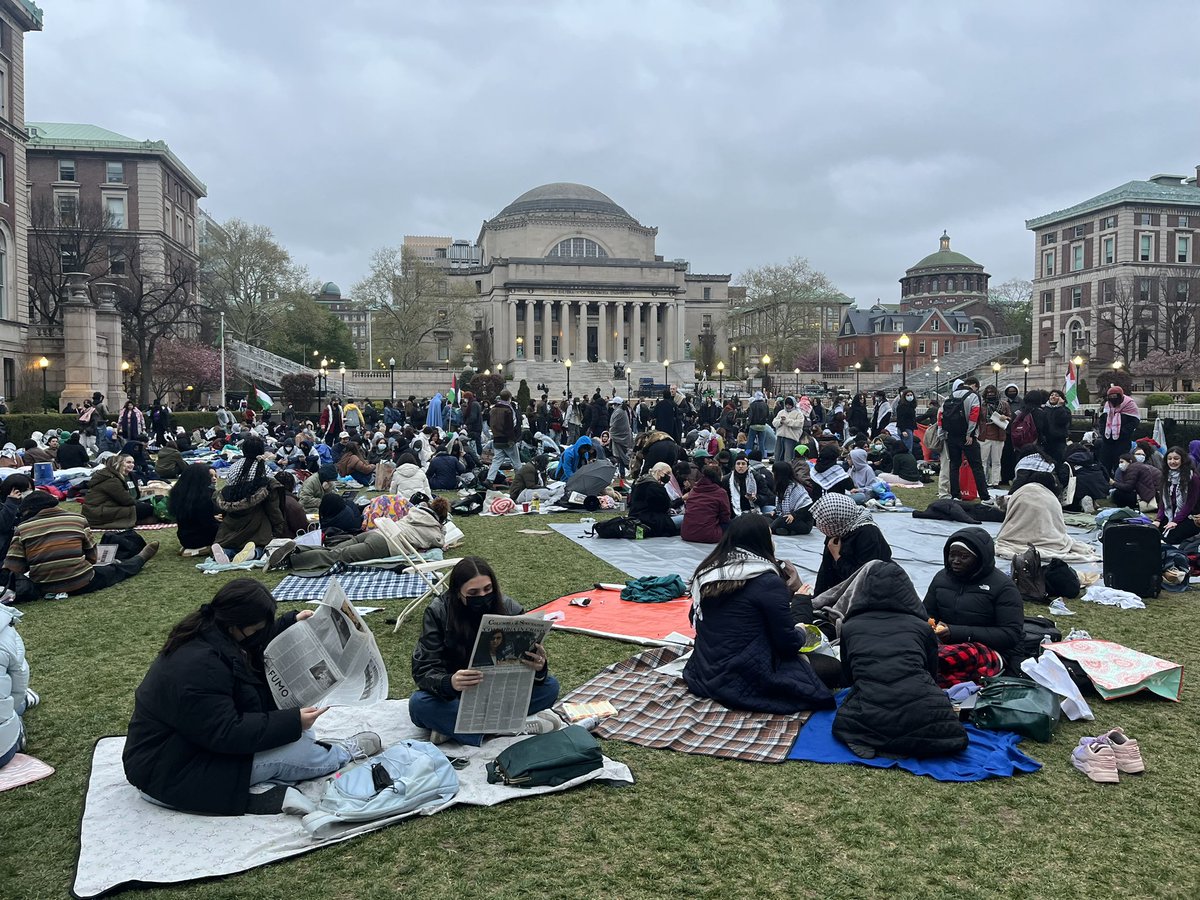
360,746
279,556
1088,505
543,722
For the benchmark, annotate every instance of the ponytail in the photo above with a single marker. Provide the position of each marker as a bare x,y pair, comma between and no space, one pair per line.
241,602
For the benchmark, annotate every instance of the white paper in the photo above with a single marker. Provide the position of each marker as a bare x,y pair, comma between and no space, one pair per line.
309,538
1000,420
329,659
1048,671
500,703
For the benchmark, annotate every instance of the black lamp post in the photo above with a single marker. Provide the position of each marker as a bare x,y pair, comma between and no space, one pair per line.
43,364
342,369
766,364
1025,363
857,372
392,369
903,342
721,382
567,364
996,367
322,381
937,379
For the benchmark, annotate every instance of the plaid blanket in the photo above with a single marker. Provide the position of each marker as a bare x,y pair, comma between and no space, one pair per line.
358,585
156,527
966,662
656,710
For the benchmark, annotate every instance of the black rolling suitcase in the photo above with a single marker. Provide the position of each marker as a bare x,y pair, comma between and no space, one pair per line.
1133,559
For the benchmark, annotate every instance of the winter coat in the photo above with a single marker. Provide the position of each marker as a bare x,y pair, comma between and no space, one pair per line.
619,427
14,678
906,415
294,519
989,430
311,493
707,509
650,504
503,422
747,652
439,653
10,510
890,657
169,464
526,478
1144,480
256,519
409,479
859,546
199,716
904,465
666,419
109,502
985,606
353,464
420,528
789,424
73,456
1054,426
1090,480
198,527
337,514
444,470
569,463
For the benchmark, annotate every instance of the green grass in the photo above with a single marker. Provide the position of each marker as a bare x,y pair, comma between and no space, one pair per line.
690,826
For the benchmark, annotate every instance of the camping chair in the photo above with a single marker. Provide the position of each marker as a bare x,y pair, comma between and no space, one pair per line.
434,574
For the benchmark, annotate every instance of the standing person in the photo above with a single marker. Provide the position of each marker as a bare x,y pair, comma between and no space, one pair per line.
131,422
789,428
331,420
352,417
224,418
503,423
858,418
666,416
1008,460
472,416
881,415
757,417
960,422
1179,498
1121,418
1056,429
289,417
906,418
620,433
991,434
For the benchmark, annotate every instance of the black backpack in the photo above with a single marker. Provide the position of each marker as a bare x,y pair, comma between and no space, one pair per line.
621,527
1034,630
1061,580
954,418
1029,577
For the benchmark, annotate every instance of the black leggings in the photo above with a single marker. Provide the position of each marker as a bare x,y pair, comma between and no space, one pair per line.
802,523
1184,531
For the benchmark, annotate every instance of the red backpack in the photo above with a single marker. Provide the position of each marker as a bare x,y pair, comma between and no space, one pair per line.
1023,430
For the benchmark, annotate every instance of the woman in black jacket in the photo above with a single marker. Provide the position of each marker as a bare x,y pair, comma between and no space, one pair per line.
72,454
191,504
890,657
1055,427
650,503
973,602
859,419
906,418
441,661
747,652
205,726
851,539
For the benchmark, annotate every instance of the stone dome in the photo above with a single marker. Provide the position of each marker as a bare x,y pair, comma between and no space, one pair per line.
563,196
329,289
945,258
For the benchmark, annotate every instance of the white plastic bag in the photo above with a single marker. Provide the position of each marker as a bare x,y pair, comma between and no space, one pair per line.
1049,672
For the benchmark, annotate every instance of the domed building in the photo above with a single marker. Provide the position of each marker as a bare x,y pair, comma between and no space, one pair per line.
352,314
951,282
565,272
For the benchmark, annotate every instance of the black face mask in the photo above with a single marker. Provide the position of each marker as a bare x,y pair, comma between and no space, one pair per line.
255,642
481,603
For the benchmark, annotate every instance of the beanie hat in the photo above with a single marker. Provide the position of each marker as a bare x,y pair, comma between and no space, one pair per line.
327,473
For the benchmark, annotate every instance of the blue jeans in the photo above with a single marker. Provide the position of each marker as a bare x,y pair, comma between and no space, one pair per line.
498,454
751,437
300,760
428,711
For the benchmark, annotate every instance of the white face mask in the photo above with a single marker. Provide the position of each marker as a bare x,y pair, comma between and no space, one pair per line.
1123,466
1140,457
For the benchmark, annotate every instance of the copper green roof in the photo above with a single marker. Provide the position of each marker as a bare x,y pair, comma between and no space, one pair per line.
1131,192
65,135
32,10
944,258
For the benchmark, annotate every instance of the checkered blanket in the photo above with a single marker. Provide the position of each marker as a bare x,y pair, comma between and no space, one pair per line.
156,527
656,710
358,585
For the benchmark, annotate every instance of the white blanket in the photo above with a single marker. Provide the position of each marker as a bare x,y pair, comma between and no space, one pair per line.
124,839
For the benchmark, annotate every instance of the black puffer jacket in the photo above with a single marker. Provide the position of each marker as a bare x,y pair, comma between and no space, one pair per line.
890,657
440,653
984,607
859,547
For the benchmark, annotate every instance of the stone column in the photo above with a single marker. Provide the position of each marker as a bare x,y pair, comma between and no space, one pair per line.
81,369
581,338
510,339
602,334
620,351
652,354
564,321
635,332
108,324
529,356
668,329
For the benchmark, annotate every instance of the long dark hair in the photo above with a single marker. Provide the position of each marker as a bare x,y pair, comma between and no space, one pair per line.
462,622
1185,466
784,475
750,534
241,602
192,493
253,473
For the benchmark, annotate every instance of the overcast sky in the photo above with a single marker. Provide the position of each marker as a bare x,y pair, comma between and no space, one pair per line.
848,133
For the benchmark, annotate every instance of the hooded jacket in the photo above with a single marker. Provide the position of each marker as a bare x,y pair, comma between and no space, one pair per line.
650,504
985,606
1141,478
311,493
789,423
255,519
706,511
408,479
14,678
569,462
890,657
420,528
971,408
108,502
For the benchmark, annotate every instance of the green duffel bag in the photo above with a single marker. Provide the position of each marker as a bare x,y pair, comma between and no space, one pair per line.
547,759
1017,704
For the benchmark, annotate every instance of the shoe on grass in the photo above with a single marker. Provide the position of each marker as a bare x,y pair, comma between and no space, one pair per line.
246,554
1096,760
360,746
543,722
32,699
1126,752
148,552
279,556
219,555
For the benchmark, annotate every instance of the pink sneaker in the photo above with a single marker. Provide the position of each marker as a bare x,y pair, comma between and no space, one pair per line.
1096,760
1126,751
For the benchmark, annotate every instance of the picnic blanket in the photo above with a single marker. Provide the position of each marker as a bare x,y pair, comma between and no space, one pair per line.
126,841
1118,671
656,710
22,769
154,527
610,616
358,585
989,754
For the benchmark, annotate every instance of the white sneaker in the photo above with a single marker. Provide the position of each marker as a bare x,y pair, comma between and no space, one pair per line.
359,746
219,555
1088,505
543,722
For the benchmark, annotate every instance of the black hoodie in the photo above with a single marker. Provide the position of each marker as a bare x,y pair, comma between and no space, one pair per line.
985,606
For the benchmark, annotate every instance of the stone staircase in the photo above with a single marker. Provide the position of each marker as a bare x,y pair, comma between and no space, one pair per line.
977,356
266,369
586,377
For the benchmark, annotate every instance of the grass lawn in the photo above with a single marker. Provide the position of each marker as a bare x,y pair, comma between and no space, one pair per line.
691,825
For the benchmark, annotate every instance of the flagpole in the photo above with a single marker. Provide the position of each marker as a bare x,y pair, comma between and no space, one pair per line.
222,401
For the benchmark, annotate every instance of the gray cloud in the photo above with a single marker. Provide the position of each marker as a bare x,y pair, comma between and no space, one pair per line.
847,133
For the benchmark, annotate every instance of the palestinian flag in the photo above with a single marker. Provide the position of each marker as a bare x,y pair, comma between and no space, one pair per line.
263,398
1069,389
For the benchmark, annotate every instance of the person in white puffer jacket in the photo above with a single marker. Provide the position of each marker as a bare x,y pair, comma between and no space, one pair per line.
15,695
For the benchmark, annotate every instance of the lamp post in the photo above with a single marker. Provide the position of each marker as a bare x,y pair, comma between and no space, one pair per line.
188,401
857,370
996,367
733,357
125,376
666,373
721,381
567,366
43,364
392,370
1025,363
766,364
903,343
937,379
796,372
322,381
500,369
520,347
342,370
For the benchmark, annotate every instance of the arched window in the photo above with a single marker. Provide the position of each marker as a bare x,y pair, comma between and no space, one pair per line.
578,247
1076,340
5,284
950,283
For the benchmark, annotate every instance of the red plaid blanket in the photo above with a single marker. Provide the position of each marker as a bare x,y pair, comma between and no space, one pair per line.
656,710
966,662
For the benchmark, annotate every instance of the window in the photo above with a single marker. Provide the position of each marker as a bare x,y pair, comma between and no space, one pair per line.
1078,231
66,170
1145,288
1108,222
1181,292
537,345
1145,219
3,178
921,347
114,172
1180,333
1145,247
964,327
708,293
950,283
1049,238
3,92
3,275
935,324
166,224
67,206
1047,301
114,211
1047,263
1076,257
66,256
934,285
1183,247
1109,251
895,346
1107,293
1076,297
1183,221
1077,341
443,349
554,346
1143,343
579,247
478,286
179,229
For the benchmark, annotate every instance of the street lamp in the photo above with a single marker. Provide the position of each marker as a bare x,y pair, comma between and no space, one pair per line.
43,364
188,401
857,370
996,367
666,373
1025,363
796,372
937,379
342,369
567,364
520,347
487,371
392,370
721,381
766,364
500,369
903,343
125,375
322,382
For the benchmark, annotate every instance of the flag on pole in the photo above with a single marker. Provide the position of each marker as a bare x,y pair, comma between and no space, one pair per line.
263,398
1069,389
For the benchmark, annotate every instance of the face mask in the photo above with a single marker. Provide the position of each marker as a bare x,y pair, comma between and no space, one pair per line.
908,397
481,603
1115,401
1140,457
1123,466
256,641
666,480
877,448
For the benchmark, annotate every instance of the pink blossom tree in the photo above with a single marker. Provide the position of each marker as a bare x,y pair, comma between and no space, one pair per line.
1167,368
179,364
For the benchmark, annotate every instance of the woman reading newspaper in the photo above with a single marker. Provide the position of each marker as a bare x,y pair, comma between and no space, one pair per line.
442,663
205,726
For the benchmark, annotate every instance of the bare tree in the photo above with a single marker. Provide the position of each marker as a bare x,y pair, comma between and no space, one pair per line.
245,271
79,239
1012,302
1142,311
1121,314
411,301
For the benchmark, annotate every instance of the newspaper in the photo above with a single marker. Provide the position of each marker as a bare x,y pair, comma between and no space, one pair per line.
329,659
500,703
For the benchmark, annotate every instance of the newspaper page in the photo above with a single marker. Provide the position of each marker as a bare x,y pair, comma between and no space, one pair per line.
500,703
329,659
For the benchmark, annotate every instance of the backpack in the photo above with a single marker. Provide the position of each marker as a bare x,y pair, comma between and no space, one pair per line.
406,778
1174,558
1023,430
954,419
934,438
1061,580
1034,630
547,759
621,527
1029,577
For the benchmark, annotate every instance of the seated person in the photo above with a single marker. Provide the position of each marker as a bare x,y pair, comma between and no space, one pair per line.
423,528
793,504
1033,515
135,448
316,486
13,490
444,469
10,457
191,503
441,658
1036,466
353,462
250,516
409,478
828,475
205,727
57,550
1091,484
15,695
904,465
32,453
294,519
575,458
706,514
529,482
742,487
890,659
851,539
976,610
336,514
169,464
1179,498
72,454
1136,484
651,505
112,500
747,650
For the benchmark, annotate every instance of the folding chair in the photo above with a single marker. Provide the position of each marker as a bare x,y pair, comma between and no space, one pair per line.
434,574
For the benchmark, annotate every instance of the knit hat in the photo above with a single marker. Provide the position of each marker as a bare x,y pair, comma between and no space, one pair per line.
327,473
836,515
